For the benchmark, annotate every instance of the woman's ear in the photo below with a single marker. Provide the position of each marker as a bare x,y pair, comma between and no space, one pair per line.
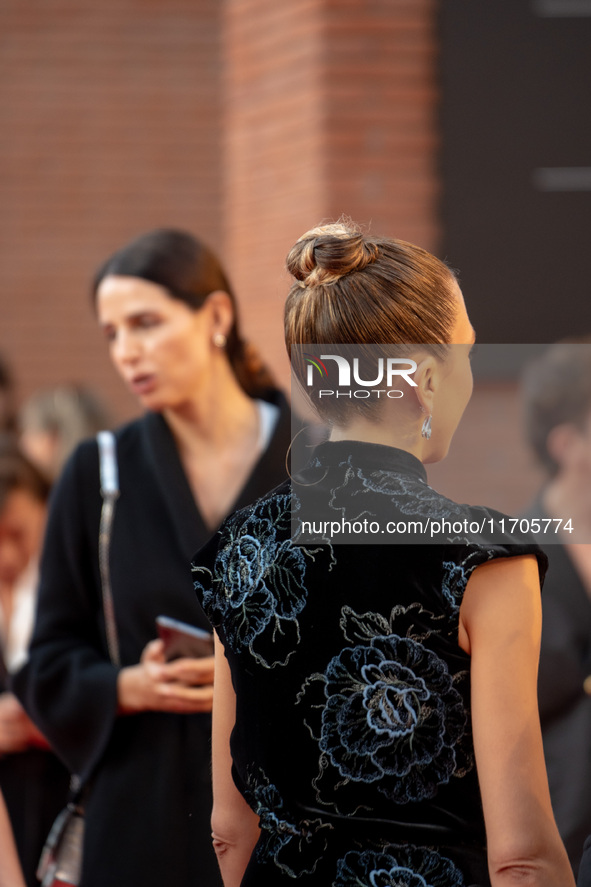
427,377
221,310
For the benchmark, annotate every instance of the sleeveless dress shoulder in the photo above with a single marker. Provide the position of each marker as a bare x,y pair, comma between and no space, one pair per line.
352,739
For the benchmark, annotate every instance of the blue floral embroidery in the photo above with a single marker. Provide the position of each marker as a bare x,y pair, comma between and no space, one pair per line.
455,576
394,866
293,846
454,584
411,495
256,590
389,722
391,714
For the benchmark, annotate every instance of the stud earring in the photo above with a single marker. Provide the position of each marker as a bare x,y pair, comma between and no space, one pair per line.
219,340
426,427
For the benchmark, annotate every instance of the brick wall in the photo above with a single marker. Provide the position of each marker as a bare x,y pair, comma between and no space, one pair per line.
110,117
381,124
246,121
332,108
329,110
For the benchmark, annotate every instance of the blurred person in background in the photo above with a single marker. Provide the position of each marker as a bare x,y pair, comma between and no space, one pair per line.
53,421
214,437
33,780
557,405
7,398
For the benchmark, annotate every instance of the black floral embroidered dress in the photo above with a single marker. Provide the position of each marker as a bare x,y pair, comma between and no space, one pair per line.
352,739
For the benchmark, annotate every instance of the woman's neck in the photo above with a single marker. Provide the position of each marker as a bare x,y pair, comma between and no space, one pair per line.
212,426
379,433
219,442
217,417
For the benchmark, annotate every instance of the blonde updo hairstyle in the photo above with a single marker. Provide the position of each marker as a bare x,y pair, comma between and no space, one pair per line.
355,289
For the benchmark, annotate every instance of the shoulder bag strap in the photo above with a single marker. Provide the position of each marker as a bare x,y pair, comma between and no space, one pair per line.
63,849
110,493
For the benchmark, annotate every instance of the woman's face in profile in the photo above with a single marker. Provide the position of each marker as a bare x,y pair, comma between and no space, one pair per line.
456,388
160,346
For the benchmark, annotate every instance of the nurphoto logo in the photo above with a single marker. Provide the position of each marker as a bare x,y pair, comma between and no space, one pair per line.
347,374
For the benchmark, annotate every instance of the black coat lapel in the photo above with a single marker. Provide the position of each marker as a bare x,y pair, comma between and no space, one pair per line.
163,456
162,453
270,470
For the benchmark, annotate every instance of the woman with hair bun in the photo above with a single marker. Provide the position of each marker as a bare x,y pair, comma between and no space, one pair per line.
214,437
375,716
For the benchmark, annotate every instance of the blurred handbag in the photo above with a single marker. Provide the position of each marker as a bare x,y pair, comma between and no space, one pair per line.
61,857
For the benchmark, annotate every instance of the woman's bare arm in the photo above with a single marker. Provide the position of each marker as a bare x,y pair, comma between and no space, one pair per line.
500,626
235,826
10,870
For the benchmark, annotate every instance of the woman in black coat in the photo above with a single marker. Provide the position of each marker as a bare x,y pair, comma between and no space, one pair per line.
214,438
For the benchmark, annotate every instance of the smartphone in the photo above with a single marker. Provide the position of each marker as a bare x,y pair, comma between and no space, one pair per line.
182,640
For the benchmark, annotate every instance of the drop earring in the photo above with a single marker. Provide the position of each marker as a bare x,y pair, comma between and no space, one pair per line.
426,427
219,340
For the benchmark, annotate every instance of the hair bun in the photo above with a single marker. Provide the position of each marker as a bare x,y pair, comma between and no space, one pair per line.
325,254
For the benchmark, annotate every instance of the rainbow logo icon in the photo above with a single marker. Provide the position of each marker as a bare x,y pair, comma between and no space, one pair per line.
314,362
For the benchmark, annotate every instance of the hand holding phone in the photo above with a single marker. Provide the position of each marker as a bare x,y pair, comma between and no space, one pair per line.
182,640
184,686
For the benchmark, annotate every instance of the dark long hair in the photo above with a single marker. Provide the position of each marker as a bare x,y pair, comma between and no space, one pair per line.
189,271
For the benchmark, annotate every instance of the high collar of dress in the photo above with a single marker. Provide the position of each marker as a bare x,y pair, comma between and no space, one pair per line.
369,456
